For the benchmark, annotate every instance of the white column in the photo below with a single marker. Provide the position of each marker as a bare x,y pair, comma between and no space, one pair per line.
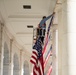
21,62
11,58
71,36
54,53
54,50
1,48
62,43
67,38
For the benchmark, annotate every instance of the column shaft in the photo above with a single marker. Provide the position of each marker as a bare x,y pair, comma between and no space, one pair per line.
67,38
71,36
1,48
21,63
54,53
11,58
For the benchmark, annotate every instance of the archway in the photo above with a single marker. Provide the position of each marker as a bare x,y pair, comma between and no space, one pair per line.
6,60
15,65
26,68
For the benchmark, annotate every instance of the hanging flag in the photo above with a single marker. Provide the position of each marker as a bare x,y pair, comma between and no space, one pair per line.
46,41
37,58
37,54
47,35
49,52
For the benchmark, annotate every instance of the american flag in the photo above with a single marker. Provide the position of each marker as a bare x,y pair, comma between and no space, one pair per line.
37,58
37,53
47,35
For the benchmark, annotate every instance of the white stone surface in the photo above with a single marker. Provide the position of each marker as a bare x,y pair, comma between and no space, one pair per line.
67,41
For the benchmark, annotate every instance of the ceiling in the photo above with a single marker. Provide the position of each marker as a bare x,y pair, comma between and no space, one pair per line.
16,18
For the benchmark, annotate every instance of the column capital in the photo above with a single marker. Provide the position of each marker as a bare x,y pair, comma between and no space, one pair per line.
21,52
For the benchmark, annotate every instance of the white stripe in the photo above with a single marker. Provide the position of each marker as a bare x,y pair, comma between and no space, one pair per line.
34,55
33,60
35,50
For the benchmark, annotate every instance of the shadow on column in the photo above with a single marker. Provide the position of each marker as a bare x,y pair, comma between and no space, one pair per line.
26,68
6,60
15,65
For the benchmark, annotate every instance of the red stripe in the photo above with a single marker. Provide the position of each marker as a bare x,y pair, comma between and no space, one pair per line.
42,63
34,72
39,71
37,68
46,60
34,52
32,62
50,70
34,57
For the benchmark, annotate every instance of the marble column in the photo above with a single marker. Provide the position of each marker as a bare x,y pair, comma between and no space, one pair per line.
54,50
71,35
1,48
11,58
21,62
60,42
67,38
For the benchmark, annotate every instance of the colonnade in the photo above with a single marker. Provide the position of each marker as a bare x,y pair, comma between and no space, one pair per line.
66,46
13,60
